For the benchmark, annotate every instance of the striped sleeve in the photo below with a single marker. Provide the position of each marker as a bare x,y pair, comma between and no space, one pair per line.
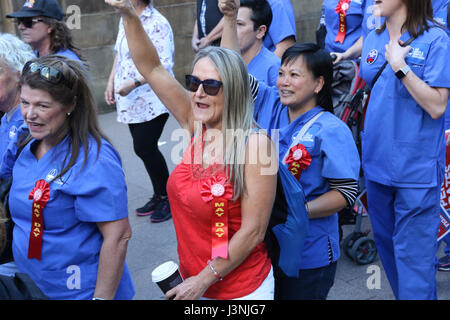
347,187
254,86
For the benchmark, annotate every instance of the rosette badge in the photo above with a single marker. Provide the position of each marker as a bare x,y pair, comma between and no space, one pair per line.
298,160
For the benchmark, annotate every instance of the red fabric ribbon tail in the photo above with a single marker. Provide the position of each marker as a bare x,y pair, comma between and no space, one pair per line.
342,29
219,228
341,10
40,195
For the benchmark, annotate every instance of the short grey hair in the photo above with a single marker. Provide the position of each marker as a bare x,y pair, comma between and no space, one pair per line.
14,52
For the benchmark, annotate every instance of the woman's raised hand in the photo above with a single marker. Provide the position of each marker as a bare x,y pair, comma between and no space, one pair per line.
123,6
229,8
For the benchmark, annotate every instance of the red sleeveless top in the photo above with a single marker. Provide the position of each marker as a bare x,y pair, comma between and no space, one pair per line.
192,220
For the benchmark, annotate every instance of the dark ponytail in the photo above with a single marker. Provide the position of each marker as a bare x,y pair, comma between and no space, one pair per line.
319,62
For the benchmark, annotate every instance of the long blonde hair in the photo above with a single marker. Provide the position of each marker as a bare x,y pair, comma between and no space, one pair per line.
237,116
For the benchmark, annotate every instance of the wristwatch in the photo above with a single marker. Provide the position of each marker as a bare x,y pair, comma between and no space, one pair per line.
402,72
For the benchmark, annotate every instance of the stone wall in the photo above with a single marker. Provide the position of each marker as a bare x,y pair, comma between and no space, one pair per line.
98,30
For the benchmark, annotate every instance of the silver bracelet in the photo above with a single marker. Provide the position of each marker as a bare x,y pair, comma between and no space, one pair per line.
216,274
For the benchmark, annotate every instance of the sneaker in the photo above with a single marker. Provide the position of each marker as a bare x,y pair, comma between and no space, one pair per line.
444,264
162,211
149,207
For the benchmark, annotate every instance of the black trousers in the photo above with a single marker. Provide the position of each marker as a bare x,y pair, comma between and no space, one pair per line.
145,143
312,284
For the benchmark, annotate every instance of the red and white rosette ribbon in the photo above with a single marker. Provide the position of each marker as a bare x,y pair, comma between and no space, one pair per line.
341,10
298,160
218,191
40,196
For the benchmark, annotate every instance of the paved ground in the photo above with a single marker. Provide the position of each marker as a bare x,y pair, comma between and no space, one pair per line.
153,244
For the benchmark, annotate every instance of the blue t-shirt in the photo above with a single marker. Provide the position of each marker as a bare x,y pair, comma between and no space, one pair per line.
71,240
402,145
354,24
334,156
283,23
265,66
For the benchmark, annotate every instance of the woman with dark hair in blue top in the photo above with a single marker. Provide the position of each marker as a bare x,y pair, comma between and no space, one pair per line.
318,149
403,141
68,197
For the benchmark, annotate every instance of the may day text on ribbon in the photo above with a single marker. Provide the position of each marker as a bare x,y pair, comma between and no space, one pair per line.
40,196
217,191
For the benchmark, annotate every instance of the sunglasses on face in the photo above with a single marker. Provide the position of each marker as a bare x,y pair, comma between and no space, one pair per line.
28,22
47,73
210,86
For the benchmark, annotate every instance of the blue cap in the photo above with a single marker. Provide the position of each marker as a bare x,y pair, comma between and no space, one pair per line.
37,8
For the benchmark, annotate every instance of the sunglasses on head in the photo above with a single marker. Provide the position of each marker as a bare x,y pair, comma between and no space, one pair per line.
47,73
210,86
28,22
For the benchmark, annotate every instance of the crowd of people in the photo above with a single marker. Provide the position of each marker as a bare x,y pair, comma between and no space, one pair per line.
249,76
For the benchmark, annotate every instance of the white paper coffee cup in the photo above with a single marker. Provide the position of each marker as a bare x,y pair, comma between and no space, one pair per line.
167,276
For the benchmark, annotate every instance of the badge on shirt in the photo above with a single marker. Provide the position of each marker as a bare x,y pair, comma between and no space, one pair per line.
51,175
418,54
12,132
372,56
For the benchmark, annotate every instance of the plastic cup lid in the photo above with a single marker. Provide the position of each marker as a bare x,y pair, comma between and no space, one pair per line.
164,271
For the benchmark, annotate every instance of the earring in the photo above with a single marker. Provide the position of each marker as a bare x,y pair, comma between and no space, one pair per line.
68,113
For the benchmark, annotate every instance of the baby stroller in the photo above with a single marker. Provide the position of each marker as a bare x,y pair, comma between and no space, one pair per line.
350,100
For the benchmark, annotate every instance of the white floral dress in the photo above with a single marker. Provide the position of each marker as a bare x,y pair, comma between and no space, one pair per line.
142,104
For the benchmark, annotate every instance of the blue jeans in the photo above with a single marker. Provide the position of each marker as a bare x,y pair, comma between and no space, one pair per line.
312,284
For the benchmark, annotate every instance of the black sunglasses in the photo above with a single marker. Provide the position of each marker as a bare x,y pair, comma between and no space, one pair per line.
28,22
47,73
210,86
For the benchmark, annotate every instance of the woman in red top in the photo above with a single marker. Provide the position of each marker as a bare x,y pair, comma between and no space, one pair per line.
222,193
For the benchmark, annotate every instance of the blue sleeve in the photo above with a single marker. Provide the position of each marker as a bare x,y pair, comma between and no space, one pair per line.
281,26
10,155
100,190
341,158
437,69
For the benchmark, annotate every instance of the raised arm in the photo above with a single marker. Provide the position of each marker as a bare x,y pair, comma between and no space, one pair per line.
146,59
229,8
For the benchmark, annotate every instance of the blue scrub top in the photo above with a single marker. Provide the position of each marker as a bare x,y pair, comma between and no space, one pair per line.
354,22
9,129
283,23
402,146
71,239
334,156
265,66
440,11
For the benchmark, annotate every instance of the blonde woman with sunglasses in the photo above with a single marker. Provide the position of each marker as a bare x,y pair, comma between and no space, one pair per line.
220,200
